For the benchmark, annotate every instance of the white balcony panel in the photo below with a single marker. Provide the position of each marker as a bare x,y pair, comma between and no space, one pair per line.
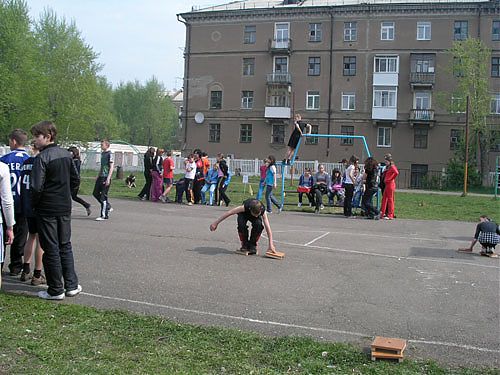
385,79
382,113
277,112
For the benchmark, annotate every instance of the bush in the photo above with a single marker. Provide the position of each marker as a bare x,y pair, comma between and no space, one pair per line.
455,175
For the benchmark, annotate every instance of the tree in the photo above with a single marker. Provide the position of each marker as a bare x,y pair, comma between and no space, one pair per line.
20,99
470,65
72,89
146,113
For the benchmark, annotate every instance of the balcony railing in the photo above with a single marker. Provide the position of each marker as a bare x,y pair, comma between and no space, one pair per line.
422,115
419,78
279,78
280,45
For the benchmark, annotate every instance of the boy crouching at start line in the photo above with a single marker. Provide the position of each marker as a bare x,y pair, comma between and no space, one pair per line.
253,211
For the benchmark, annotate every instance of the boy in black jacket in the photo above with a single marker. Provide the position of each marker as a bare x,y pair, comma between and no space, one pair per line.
53,179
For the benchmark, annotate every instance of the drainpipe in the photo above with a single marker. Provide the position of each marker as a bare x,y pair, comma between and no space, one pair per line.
480,8
330,86
187,55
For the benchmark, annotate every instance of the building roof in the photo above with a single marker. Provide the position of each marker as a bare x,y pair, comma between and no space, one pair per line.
268,4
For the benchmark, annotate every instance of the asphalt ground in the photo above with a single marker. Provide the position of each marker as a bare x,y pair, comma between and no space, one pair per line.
342,279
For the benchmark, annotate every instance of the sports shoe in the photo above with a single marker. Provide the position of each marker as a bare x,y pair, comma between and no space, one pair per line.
163,198
15,272
74,292
190,203
299,204
45,295
321,207
111,209
252,249
38,280
89,212
25,276
100,218
316,210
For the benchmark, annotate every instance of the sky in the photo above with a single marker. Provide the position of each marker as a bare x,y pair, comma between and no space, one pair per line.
135,39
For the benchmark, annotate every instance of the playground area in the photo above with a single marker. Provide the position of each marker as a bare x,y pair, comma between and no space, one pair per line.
342,279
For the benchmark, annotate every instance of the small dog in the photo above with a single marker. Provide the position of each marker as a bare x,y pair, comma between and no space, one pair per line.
130,181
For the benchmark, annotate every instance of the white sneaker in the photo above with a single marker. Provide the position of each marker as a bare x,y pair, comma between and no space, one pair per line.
299,205
43,294
190,203
74,292
100,218
111,209
321,207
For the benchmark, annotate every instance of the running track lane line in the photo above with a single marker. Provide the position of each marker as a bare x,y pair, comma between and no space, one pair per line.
286,325
317,238
398,257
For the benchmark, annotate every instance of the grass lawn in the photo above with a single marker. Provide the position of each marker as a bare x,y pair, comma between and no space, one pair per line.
408,205
42,337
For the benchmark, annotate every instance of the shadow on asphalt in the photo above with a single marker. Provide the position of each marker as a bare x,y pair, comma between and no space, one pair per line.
211,250
433,252
12,284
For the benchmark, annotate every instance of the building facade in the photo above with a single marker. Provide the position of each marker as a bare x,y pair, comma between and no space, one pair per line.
379,70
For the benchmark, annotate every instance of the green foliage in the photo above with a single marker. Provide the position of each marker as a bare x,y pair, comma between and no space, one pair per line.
48,72
146,113
455,174
470,60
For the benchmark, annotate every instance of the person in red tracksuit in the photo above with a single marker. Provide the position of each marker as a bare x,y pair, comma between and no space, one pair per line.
391,172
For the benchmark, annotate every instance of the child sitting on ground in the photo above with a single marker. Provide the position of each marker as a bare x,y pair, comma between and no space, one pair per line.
254,211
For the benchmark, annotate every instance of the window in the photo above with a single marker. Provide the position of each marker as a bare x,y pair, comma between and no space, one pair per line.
422,63
420,135
422,100
314,66
349,65
246,133
495,104
346,130
384,97
384,137
249,66
495,66
495,140
457,67
278,136
386,64
215,99
250,34
455,138
495,30
247,99
315,33
311,140
457,105
387,31
348,101
281,34
281,65
423,31
312,100
418,175
460,30
214,133
350,31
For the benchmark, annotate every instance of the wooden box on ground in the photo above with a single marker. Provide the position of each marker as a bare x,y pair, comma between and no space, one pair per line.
275,255
388,348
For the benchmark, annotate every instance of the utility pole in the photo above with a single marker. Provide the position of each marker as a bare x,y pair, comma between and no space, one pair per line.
466,146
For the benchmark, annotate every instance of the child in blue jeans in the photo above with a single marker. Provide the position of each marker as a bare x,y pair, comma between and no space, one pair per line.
210,184
262,182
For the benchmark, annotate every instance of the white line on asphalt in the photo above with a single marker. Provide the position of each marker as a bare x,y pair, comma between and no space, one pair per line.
398,257
287,325
317,238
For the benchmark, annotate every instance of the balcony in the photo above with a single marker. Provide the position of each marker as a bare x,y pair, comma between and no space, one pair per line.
422,116
277,112
279,79
419,79
280,46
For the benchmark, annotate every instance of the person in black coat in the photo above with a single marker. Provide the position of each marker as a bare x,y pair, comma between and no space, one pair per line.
148,168
78,163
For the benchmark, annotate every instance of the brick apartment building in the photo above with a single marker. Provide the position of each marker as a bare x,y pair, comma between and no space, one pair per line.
373,68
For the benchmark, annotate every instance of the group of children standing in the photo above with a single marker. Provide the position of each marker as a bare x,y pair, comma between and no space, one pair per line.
353,187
